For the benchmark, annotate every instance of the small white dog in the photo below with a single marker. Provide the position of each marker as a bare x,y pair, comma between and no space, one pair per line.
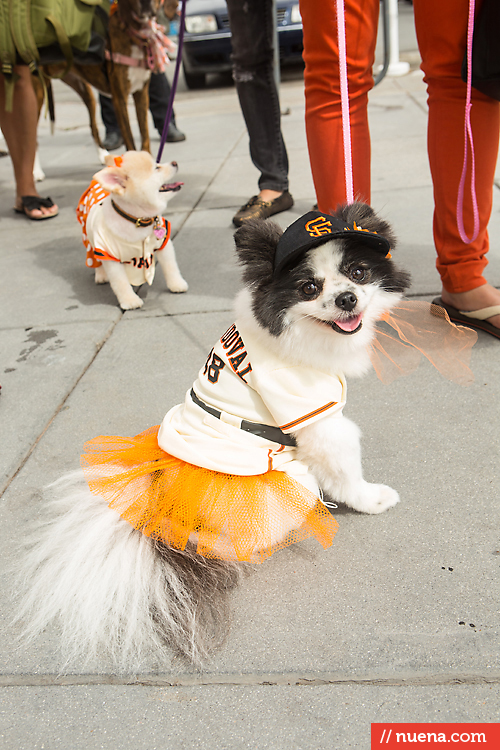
145,557
122,225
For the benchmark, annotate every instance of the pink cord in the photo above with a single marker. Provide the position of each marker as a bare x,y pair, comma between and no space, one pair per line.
468,139
344,98
346,126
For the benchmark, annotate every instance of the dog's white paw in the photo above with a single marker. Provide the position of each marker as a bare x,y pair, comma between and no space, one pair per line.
178,285
100,275
375,498
38,173
101,154
131,302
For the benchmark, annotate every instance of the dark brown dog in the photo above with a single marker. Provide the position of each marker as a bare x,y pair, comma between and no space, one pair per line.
114,77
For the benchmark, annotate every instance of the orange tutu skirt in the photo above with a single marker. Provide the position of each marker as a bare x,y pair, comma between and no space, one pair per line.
245,518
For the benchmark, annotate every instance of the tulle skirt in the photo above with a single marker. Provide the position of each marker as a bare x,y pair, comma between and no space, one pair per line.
244,518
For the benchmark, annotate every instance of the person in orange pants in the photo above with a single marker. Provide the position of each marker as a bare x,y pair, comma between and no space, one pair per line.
442,33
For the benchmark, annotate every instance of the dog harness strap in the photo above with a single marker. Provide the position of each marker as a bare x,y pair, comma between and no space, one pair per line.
117,57
138,222
274,434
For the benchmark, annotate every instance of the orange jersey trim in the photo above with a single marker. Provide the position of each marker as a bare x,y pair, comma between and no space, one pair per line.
308,416
104,255
168,229
93,194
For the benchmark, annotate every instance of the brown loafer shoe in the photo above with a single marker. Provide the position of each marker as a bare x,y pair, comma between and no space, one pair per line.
256,208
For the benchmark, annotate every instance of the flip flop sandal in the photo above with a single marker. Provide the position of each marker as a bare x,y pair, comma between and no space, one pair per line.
33,202
474,319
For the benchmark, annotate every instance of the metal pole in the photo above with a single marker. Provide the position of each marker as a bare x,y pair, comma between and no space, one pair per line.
384,9
276,47
396,66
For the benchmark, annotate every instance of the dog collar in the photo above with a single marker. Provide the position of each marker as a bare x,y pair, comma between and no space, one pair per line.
315,228
139,222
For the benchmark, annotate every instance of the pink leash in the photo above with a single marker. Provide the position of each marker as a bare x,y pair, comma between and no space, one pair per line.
468,139
344,99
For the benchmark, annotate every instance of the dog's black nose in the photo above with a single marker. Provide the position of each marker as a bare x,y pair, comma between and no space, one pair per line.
174,163
347,301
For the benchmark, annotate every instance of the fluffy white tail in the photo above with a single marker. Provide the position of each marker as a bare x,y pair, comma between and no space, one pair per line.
110,587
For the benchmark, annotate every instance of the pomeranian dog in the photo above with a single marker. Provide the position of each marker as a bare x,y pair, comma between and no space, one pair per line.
137,563
123,229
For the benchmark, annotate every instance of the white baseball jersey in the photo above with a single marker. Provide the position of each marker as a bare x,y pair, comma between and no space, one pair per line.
101,244
243,381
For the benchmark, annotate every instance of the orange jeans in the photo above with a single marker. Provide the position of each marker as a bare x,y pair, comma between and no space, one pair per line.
441,30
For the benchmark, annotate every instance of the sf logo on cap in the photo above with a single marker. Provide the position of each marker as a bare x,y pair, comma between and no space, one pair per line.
319,226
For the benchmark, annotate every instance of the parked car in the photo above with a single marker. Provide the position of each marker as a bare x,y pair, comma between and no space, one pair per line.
207,38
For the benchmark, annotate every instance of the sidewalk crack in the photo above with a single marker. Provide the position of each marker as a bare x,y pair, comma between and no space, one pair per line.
249,680
99,345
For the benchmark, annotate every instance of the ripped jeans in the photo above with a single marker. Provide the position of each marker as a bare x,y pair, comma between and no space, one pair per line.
252,41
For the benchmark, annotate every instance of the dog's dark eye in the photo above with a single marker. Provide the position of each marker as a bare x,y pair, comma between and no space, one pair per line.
358,273
309,289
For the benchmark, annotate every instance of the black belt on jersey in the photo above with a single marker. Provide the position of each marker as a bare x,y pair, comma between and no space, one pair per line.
274,434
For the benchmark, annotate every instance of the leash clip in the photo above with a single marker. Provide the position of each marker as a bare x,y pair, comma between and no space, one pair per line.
329,504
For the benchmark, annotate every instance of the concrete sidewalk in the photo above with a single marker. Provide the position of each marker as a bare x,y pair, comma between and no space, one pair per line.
396,622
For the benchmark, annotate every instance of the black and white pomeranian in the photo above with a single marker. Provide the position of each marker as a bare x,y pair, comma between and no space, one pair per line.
261,435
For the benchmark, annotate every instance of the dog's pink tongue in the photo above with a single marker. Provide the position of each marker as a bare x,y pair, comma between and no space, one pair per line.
349,325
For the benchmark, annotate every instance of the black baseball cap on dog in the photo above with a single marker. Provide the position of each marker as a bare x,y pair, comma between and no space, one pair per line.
315,228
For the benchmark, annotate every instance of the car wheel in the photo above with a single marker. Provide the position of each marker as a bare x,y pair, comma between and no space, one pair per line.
194,80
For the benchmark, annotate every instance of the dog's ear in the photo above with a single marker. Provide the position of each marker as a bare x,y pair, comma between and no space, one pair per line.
365,216
256,242
113,179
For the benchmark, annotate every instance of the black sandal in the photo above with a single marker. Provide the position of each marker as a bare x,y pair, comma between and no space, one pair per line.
33,202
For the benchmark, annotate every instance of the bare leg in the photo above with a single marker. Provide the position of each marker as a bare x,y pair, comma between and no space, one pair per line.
482,296
19,128
269,195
